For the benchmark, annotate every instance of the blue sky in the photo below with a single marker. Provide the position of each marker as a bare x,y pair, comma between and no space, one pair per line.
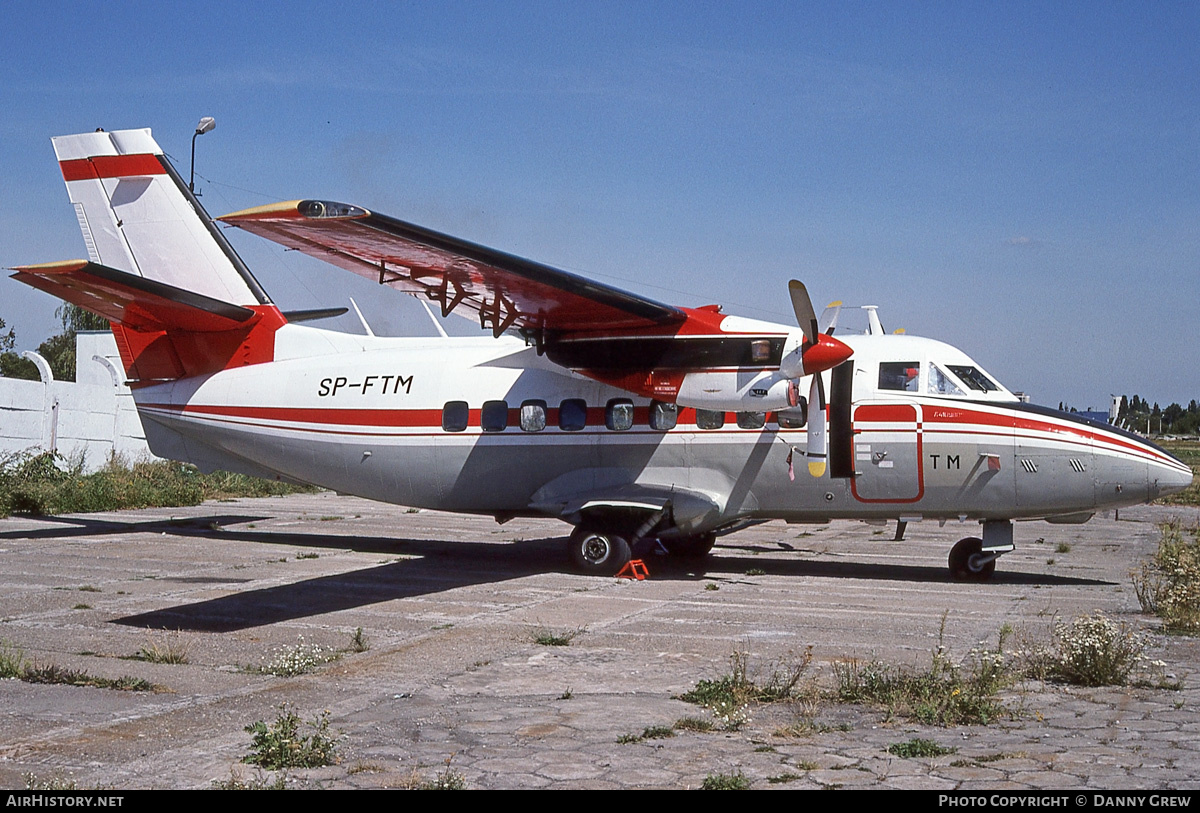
1018,179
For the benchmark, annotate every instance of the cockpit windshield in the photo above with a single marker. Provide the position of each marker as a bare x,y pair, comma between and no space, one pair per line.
973,377
942,384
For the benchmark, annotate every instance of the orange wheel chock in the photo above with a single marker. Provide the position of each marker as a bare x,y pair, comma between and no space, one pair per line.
634,569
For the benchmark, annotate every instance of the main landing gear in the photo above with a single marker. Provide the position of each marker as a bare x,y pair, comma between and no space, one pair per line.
974,559
599,551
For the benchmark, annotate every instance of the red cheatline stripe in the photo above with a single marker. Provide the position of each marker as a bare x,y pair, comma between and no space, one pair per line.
111,166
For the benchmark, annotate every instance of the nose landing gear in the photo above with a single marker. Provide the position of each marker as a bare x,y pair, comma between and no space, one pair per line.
974,559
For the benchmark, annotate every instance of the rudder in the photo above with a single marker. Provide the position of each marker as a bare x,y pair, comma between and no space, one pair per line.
137,216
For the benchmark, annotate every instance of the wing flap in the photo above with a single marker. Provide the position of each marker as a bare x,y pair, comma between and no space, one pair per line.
503,290
131,301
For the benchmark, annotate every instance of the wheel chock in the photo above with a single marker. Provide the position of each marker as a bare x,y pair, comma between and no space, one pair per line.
634,569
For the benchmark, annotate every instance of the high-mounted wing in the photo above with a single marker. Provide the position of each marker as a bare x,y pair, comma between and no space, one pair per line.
505,291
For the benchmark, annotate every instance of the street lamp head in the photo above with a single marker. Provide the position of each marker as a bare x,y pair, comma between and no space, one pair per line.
206,124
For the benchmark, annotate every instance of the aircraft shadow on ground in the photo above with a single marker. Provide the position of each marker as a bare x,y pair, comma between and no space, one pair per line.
439,566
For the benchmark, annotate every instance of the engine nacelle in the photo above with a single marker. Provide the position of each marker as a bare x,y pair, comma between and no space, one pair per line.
732,391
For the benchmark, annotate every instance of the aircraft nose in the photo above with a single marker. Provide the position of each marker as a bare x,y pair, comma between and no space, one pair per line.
1171,479
825,354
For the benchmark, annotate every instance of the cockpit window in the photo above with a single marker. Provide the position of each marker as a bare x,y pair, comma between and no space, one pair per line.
900,375
973,378
942,384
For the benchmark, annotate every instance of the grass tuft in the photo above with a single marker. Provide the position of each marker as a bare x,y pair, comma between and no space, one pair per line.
726,781
545,637
917,748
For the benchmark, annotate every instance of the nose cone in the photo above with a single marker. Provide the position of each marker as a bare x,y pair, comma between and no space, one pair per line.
1170,477
825,354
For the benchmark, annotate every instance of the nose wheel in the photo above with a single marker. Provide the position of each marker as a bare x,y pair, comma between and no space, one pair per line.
968,562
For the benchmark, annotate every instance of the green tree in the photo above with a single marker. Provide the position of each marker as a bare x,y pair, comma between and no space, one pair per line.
58,351
11,364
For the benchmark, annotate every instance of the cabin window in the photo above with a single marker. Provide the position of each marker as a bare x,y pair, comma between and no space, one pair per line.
454,416
709,418
751,420
793,418
663,416
942,384
973,377
618,414
572,415
760,351
494,416
899,375
533,416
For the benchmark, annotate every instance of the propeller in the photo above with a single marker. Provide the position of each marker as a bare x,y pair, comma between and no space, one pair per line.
819,352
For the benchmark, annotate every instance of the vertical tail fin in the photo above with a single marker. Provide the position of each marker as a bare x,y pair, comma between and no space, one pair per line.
138,216
180,300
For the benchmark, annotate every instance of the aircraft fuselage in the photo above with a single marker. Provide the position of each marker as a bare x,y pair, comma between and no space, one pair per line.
482,426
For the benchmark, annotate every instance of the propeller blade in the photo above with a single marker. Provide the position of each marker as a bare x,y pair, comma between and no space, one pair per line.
817,435
806,318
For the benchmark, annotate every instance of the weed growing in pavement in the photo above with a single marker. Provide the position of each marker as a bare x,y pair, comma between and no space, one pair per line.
545,637
54,674
654,732
359,641
1092,650
260,781
12,661
729,696
163,651
13,664
941,694
726,781
298,659
280,744
447,779
56,782
1168,585
917,747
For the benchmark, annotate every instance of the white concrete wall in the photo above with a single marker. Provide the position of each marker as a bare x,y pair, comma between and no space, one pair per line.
93,416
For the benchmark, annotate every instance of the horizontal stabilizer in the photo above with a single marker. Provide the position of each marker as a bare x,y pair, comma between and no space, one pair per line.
134,302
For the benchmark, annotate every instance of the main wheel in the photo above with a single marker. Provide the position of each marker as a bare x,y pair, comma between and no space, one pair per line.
597,552
691,547
967,561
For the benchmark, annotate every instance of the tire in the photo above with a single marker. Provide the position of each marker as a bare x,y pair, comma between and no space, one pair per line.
691,547
964,561
598,553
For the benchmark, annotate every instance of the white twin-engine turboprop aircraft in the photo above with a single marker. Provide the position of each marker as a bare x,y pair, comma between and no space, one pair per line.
637,422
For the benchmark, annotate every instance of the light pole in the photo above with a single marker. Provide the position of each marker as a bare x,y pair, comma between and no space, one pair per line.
206,124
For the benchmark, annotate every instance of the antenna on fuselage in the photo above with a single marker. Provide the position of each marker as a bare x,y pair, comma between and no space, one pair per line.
874,326
436,324
362,318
